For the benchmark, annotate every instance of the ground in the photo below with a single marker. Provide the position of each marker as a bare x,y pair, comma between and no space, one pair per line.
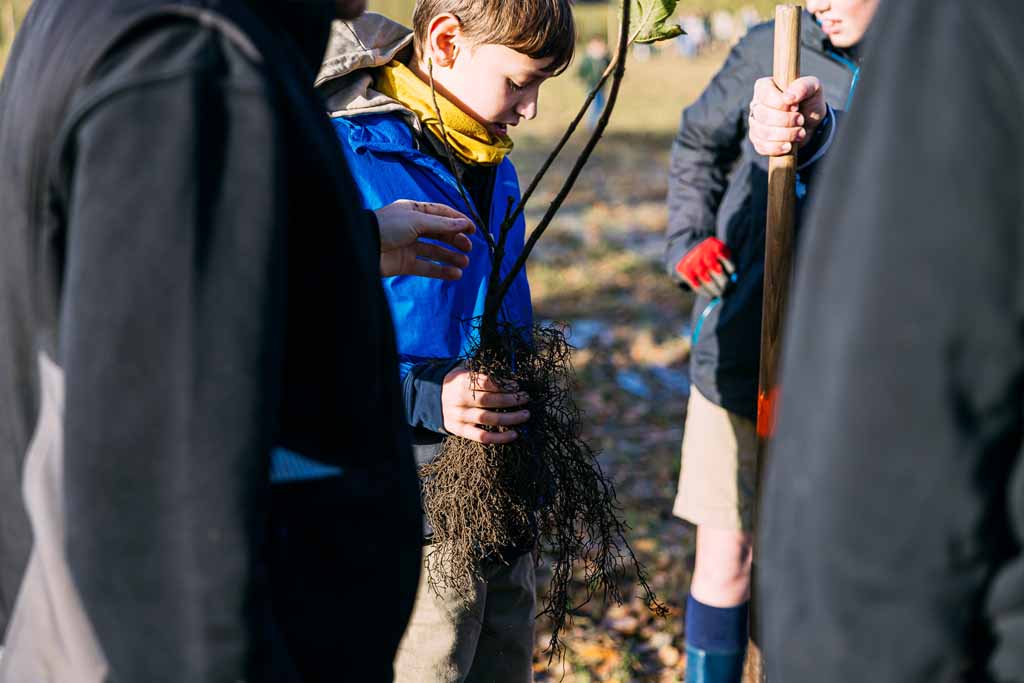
598,270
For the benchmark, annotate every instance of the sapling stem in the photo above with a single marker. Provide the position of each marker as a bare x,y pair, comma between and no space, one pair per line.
618,72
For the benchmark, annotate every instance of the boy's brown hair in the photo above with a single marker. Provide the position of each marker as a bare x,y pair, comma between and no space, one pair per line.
537,28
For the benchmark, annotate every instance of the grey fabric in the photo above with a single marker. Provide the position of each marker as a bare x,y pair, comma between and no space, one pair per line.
50,638
356,48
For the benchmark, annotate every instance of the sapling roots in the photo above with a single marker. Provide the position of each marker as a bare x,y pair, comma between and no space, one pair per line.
546,489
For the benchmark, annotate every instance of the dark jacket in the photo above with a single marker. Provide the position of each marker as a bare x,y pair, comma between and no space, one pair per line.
187,280
893,514
718,186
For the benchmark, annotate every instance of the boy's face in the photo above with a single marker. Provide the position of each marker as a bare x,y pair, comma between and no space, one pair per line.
844,21
494,84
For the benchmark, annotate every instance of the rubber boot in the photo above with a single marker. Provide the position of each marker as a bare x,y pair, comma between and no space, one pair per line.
713,667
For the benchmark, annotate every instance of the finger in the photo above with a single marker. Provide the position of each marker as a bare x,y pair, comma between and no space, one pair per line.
457,240
485,383
802,89
727,264
487,399
719,280
710,286
772,149
433,270
444,229
766,93
425,250
773,117
774,133
443,210
483,436
479,416
707,290
691,283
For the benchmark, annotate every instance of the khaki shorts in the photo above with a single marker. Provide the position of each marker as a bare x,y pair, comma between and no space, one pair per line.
717,477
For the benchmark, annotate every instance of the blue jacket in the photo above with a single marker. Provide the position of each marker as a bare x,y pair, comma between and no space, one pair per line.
433,318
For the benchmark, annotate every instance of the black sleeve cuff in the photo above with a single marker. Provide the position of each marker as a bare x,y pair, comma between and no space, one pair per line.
421,390
371,218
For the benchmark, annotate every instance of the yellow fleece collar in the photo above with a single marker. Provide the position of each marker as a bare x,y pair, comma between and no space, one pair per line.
468,138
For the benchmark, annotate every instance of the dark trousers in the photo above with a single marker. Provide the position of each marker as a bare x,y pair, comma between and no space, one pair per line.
344,565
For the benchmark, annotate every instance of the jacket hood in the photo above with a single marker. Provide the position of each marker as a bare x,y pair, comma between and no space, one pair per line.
355,50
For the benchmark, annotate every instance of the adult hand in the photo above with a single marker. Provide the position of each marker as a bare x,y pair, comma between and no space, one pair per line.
404,222
466,405
781,119
707,267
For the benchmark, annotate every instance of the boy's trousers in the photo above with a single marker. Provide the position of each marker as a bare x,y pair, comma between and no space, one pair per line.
483,637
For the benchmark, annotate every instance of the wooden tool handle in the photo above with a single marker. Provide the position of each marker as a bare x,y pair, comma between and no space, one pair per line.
780,229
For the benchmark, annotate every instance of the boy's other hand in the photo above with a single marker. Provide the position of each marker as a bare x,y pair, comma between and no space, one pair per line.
404,222
779,120
466,405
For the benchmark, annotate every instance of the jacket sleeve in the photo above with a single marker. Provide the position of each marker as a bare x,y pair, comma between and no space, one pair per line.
894,505
421,390
170,339
708,144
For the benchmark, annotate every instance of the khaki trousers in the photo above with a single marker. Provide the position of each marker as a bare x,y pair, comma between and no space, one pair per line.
483,637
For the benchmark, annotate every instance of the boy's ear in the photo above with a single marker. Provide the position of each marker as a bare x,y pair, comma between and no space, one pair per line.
444,39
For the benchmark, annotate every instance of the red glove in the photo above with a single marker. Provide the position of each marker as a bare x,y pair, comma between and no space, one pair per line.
706,267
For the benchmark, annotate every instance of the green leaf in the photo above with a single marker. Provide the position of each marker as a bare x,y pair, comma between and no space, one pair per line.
649,21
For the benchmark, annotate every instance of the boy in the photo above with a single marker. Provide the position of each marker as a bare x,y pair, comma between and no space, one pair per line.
717,197
487,61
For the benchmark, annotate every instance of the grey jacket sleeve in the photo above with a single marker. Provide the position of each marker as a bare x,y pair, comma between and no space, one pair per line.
708,144
893,513
170,338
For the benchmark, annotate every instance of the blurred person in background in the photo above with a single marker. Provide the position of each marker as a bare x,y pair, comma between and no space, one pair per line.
695,38
718,190
893,514
594,63
173,305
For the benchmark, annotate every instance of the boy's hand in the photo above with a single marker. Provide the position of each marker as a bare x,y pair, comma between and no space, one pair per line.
779,120
465,406
707,267
404,222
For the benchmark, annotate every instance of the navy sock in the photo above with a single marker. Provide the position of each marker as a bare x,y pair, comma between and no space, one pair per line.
716,629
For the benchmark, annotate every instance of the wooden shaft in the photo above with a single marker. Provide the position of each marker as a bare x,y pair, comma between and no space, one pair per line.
778,267
780,228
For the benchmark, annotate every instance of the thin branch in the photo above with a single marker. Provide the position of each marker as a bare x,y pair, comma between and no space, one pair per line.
591,96
619,72
451,162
